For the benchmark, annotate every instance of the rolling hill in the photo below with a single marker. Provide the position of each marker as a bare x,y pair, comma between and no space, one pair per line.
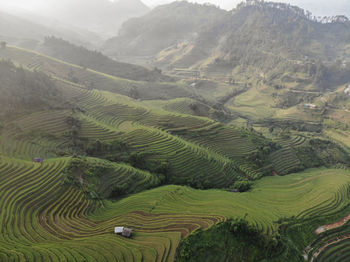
279,43
164,157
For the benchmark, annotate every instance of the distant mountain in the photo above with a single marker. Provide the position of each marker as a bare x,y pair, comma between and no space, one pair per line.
100,16
272,38
163,27
28,32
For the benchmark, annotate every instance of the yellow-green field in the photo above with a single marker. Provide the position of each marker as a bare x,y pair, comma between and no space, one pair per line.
44,220
43,217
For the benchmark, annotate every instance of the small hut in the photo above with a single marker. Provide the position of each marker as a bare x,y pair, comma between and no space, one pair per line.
38,160
124,231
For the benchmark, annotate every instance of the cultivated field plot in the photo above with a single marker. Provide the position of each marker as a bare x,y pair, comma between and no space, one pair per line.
43,219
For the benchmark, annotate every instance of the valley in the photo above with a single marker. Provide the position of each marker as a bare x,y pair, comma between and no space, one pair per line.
212,142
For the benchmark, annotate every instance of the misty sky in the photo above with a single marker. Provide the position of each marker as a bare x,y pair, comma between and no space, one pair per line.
318,7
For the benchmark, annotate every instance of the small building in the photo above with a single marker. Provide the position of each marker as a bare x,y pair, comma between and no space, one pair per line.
38,160
347,90
310,106
124,231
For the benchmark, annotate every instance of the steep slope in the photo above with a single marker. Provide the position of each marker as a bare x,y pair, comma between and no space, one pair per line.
162,28
278,43
68,52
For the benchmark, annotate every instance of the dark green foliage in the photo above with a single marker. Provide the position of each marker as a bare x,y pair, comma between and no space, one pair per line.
308,157
104,179
330,153
231,241
289,99
292,124
242,186
24,90
320,152
118,151
260,157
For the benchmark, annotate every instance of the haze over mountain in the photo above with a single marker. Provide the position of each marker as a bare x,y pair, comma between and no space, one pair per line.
259,35
28,30
100,16
318,7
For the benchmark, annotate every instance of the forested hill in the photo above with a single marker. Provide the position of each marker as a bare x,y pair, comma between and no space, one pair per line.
163,27
273,38
79,55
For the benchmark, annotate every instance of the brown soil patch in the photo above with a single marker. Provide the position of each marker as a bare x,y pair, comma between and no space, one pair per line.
340,223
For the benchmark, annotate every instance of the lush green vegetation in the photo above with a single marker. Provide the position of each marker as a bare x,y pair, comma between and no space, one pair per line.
233,240
118,153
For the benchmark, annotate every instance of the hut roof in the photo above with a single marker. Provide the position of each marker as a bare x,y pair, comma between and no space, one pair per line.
127,232
118,230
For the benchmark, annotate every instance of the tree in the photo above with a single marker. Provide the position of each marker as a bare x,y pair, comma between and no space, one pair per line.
3,44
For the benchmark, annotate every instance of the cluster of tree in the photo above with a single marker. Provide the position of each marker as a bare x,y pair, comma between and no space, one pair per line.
241,186
118,151
234,240
91,175
288,99
74,129
24,90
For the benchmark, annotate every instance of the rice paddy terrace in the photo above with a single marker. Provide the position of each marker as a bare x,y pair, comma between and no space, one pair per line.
44,217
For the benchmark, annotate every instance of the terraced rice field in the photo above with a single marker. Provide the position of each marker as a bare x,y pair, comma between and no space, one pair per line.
43,219
285,160
61,70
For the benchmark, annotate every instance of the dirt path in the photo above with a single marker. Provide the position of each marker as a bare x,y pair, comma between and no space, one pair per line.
340,223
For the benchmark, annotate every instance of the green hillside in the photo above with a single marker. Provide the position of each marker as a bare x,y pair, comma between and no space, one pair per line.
155,157
279,56
66,51
57,222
